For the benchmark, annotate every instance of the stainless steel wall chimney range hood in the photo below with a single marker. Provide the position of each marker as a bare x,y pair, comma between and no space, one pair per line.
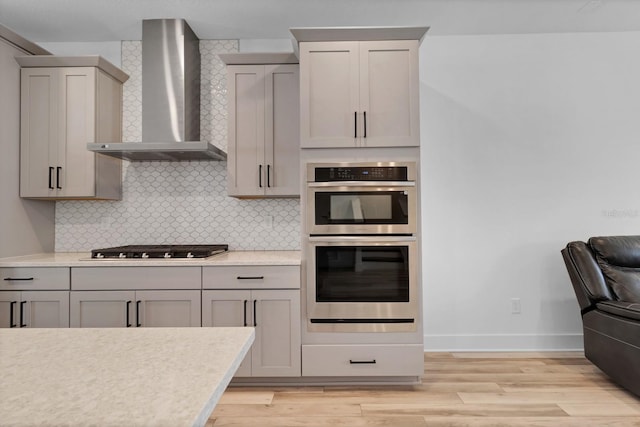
170,98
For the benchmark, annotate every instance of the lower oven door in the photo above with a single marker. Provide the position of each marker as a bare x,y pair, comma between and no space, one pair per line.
362,284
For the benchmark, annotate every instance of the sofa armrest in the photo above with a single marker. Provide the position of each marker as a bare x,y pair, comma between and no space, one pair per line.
585,274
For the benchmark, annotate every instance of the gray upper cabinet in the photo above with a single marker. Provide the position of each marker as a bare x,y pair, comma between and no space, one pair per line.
359,94
263,113
359,86
62,109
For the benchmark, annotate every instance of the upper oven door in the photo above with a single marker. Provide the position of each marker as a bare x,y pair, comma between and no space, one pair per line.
361,208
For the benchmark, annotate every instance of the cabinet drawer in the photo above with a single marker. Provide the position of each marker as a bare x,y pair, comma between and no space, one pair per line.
362,360
34,278
251,277
113,278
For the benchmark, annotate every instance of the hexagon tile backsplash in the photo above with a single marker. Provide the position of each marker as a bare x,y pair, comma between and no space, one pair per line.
178,202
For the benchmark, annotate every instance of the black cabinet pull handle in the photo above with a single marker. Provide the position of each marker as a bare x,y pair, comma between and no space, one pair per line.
362,362
127,309
245,313
269,176
260,176
365,125
18,279
11,310
255,318
138,324
355,124
58,169
22,304
50,178
250,277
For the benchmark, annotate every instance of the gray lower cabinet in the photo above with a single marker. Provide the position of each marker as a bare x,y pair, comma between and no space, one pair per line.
34,309
258,296
112,309
367,360
135,297
34,297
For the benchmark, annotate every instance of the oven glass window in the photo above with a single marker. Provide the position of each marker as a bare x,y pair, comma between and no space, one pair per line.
361,207
362,274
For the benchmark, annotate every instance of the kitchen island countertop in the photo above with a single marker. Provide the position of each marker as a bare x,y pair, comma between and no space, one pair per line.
117,376
83,259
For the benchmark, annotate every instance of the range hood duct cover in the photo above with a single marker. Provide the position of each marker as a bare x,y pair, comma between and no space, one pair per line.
170,98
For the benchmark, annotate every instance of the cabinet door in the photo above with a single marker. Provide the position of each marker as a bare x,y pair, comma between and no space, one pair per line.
168,308
9,309
276,349
329,99
63,109
38,131
282,130
389,93
75,168
102,309
229,308
245,157
45,309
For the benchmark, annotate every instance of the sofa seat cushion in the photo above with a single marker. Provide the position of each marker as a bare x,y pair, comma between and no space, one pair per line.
630,310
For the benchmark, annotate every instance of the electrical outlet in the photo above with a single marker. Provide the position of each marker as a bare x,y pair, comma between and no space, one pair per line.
268,221
515,306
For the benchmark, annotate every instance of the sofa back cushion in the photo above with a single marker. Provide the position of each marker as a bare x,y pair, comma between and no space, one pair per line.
619,260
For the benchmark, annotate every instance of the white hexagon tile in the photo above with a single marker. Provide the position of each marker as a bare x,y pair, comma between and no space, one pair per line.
178,202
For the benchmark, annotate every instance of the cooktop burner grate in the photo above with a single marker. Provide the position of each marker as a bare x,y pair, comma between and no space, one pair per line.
159,251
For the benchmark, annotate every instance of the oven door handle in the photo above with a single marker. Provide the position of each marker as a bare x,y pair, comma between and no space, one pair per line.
363,239
361,184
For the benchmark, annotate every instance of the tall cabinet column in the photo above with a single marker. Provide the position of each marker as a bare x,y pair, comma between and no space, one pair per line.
26,226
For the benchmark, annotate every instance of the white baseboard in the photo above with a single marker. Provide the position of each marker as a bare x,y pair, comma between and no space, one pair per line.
504,342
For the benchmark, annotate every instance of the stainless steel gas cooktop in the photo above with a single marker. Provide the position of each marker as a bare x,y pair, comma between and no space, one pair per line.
158,251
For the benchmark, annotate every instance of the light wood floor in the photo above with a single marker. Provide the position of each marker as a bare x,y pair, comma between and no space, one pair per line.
458,389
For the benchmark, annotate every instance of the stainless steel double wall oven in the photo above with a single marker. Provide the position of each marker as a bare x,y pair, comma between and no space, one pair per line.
362,271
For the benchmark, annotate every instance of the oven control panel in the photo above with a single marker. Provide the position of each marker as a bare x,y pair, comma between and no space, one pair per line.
360,173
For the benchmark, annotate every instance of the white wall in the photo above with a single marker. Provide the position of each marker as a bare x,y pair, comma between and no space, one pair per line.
528,142
111,51
266,45
108,50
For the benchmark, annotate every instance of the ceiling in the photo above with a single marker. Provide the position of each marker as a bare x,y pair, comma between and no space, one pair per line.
110,20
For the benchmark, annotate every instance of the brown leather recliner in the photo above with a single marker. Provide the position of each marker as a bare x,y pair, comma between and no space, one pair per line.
605,273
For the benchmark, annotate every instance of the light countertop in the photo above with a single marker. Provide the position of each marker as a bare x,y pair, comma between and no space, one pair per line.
83,259
117,376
